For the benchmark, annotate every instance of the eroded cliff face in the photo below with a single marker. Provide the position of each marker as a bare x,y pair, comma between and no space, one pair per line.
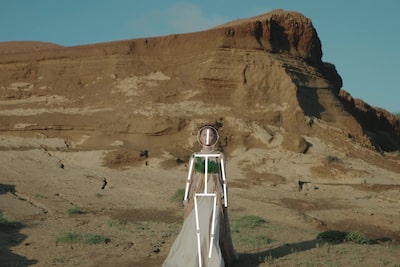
382,127
260,75
276,32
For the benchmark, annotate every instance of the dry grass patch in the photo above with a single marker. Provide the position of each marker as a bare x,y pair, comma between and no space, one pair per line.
88,239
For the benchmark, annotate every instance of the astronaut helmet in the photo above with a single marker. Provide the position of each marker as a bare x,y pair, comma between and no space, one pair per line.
207,136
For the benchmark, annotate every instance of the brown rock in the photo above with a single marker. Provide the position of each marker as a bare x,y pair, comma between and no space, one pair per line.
295,143
265,70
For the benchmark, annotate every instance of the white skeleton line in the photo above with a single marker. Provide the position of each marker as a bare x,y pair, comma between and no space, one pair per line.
206,194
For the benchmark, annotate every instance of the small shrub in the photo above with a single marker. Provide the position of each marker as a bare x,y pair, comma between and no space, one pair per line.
92,239
3,219
72,211
112,223
178,195
69,238
356,238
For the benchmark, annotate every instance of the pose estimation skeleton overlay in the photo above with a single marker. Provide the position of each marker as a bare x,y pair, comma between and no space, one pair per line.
205,237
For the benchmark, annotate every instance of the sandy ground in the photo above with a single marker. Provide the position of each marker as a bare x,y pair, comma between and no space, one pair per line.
41,179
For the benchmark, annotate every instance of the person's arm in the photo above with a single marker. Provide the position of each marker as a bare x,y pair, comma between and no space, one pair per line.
224,181
191,165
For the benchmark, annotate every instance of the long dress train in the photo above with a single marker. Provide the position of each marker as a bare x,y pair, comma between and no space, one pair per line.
184,251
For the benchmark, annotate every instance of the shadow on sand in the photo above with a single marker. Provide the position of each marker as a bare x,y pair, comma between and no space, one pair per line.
255,259
10,236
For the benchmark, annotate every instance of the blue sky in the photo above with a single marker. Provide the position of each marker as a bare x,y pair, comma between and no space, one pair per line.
361,37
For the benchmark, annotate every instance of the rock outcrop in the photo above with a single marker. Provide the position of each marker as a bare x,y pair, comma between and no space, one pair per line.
263,74
381,126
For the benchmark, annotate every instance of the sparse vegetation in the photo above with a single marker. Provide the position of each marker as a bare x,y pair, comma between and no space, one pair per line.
93,239
178,195
356,238
89,239
69,238
3,219
72,211
247,222
120,225
246,233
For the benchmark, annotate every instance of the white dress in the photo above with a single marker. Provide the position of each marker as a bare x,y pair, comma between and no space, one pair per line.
184,251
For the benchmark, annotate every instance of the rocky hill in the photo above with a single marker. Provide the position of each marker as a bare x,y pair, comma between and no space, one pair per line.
108,127
248,74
